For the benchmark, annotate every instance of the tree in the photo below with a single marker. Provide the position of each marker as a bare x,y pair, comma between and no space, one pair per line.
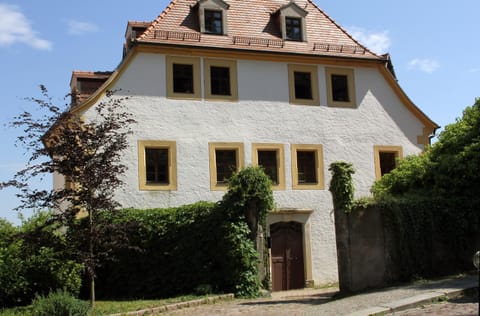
88,154
451,166
456,155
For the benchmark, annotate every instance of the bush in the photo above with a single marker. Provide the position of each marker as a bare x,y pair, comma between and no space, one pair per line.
433,235
431,201
59,303
202,247
178,251
33,261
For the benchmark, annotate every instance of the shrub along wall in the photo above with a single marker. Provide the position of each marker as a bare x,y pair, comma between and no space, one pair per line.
433,236
399,237
177,250
33,261
403,239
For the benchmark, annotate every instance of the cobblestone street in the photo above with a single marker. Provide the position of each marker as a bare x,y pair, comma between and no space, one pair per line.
322,302
465,306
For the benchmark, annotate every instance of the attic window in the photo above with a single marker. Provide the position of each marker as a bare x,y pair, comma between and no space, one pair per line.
212,15
291,20
293,28
213,22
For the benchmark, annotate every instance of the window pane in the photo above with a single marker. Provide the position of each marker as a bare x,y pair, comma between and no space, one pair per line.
182,78
213,22
387,162
303,85
157,165
293,28
306,165
268,160
220,80
226,160
340,88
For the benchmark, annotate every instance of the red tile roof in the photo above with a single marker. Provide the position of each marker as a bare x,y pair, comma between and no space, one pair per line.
251,27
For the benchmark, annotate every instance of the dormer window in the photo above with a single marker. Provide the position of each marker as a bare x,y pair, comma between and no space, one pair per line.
291,20
212,15
293,28
213,22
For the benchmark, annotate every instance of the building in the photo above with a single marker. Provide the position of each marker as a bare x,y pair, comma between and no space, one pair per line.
218,85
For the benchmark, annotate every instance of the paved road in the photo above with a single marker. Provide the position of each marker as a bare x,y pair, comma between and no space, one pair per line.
322,302
465,306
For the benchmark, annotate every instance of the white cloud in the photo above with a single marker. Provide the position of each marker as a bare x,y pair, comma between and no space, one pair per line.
424,64
16,28
378,42
474,70
80,28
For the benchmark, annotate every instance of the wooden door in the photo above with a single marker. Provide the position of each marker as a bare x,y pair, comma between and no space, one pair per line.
287,256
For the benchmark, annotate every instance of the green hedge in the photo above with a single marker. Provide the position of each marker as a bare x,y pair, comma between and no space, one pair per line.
33,261
177,250
433,236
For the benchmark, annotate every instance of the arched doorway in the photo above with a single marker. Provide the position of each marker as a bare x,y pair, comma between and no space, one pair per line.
287,256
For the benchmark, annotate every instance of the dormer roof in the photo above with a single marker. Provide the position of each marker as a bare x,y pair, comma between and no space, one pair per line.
219,3
251,27
293,6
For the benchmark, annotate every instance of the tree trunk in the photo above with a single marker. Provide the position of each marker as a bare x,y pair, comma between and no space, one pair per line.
91,262
92,291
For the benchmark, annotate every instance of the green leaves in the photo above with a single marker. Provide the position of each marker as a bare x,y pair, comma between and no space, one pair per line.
33,259
341,185
450,166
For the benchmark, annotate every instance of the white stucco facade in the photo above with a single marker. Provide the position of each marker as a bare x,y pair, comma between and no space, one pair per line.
263,114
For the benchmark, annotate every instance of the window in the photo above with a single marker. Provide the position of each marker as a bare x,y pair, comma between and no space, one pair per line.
271,158
386,159
157,165
213,22
292,19
293,28
212,15
340,87
307,167
303,84
221,79
225,160
183,77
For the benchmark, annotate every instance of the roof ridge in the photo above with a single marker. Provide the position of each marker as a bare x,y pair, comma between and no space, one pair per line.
342,29
157,20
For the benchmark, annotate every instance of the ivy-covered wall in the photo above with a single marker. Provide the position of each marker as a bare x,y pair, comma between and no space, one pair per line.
202,247
179,251
400,238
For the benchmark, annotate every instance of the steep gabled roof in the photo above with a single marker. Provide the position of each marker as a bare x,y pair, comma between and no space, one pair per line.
252,26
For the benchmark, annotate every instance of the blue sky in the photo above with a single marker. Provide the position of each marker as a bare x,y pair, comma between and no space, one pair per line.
434,47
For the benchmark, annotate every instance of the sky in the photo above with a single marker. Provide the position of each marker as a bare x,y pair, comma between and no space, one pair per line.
434,48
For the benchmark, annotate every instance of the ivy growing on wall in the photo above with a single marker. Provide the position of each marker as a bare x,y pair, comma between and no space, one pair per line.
341,185
200,246
248,200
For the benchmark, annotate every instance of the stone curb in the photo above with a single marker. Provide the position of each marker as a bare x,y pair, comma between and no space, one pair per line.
175,306
414,301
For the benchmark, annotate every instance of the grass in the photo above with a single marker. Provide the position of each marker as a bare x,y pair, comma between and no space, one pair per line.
113,307
326,286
